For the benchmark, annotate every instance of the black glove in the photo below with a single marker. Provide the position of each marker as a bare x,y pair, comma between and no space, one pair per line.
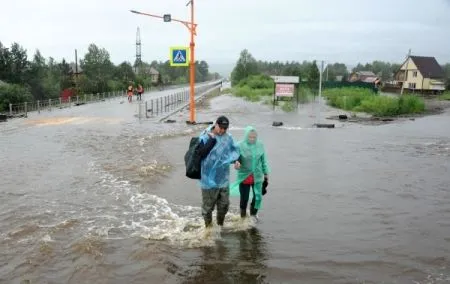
264,186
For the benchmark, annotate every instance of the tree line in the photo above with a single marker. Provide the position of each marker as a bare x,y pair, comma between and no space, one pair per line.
39,78
308,71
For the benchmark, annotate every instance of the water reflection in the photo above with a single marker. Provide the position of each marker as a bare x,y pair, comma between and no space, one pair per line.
239,257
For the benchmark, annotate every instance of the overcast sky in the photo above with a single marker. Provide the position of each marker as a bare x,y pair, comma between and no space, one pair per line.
335,31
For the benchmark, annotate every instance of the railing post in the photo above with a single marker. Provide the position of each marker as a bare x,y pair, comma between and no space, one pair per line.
146,110
92,97
85,99
60,102
70,99
26,109
77,100
152,107
38,107
50,104
10,109
140,107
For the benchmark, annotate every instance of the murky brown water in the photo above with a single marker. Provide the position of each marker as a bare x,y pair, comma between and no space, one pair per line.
98,197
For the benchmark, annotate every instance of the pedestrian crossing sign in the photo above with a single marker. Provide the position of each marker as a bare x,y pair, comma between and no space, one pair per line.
179,56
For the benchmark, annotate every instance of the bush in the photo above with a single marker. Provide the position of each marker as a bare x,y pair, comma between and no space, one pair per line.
364,100
445,96
13,94
254,88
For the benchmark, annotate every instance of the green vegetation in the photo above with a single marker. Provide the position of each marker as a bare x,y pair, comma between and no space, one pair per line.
249,80
364,100
23,79
445,96
254,88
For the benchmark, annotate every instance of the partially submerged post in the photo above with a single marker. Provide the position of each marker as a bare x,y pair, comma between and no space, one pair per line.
286,87
318,124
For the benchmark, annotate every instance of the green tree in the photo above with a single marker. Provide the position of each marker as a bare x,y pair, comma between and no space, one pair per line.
313,76
98,69
5,63
245,67
13,93
203,71
124,74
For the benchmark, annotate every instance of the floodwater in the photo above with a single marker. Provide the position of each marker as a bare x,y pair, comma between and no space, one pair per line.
93,195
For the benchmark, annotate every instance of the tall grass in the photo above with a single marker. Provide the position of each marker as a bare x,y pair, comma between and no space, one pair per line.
364,100
445,96
254,88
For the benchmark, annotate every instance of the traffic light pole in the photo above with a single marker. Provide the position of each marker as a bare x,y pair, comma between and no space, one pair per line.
193,32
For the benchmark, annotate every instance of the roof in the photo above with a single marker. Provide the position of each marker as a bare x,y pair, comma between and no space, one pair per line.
369,79
428,66
153,71
286,79
365,73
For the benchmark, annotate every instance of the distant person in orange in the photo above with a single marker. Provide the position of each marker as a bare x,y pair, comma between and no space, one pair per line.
140,91
130,93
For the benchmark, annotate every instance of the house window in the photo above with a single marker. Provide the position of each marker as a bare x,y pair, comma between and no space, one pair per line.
414,74
411,85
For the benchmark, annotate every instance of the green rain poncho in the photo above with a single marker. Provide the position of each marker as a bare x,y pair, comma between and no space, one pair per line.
253,161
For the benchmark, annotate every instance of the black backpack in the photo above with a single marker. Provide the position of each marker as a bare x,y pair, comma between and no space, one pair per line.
192,159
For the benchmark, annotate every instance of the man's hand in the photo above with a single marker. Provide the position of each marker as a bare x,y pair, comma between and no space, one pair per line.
237,165
266,177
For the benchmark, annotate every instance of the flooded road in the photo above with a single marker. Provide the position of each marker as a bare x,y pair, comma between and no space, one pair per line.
93,195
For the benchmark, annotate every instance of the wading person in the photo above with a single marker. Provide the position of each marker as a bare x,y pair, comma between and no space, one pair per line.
252,174
140,91
218,151
130,93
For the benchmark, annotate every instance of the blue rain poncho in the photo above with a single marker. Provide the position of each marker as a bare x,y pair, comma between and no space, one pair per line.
215,167
253,161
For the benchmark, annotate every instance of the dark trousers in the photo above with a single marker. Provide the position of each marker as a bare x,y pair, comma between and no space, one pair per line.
244,190
211,198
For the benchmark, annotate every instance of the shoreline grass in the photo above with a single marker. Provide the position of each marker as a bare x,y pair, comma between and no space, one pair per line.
445,96
364,100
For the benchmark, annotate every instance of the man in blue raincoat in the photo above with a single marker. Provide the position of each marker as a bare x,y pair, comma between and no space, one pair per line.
218,151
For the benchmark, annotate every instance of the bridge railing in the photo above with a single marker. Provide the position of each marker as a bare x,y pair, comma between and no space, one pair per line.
22,109
172,102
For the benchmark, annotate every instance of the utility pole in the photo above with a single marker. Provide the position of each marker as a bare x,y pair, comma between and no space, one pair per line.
76,73
138,62
320,91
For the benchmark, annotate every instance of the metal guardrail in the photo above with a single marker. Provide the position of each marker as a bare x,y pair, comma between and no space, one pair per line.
157,105
169,103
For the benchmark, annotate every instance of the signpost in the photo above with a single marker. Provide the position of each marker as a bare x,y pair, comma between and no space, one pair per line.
284,90
285,86
179,56
192,27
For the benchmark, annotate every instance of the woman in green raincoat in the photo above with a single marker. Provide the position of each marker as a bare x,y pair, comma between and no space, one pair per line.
252,173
